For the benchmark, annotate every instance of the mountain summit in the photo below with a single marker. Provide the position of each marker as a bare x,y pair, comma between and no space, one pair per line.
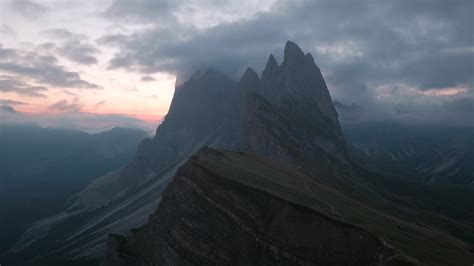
289,115
286,115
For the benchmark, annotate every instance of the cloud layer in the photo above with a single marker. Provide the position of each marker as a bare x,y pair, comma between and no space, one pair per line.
363,47
88,122
28,9
74,47
396,58
30,74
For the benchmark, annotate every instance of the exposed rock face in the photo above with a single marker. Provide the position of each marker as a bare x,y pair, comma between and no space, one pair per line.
286,115
289,115
298,81
422,153
204,112
205,219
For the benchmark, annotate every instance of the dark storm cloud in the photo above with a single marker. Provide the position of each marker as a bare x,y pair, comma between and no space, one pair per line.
28,9
359,45
180,55
50,74
79,52
74,47
42,69
142,10
396,39
10,84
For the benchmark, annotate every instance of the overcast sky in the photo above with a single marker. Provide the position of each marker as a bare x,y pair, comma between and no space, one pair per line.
404,59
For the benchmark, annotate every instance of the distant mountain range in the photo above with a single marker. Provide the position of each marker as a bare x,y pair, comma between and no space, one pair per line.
431,153
40,168
265,178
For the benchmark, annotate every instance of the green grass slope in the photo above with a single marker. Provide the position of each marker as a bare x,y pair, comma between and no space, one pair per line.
431,242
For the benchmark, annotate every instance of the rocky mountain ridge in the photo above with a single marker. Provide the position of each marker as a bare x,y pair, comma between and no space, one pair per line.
240,208
287,114
241,226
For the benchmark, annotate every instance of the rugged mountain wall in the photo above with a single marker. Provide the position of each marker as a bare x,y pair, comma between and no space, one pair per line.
422,153
205,219
287,115
204,112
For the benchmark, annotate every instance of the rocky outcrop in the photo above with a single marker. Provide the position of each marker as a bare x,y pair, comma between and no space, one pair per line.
206,219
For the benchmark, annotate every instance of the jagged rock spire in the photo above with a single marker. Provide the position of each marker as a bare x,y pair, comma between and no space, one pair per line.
250,82
271,67
250,75
293,53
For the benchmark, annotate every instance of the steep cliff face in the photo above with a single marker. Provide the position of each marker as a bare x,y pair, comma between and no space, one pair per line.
204,112
289,115
239,208
286,115
207,219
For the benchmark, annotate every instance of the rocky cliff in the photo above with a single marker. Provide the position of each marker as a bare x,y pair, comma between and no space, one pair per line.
287,114
240,208
204,112
208,219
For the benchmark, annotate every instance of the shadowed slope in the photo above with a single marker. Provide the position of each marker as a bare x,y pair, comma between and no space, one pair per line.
240,184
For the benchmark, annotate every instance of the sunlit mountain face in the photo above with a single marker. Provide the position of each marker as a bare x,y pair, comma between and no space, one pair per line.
276,132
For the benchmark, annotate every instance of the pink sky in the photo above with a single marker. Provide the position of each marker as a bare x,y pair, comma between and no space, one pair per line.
118,91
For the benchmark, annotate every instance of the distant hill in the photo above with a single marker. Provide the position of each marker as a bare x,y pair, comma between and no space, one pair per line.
429,153
41,167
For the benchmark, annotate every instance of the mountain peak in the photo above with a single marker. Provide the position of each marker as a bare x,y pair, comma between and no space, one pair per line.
292,52
272,63
250,74
205,73
250,81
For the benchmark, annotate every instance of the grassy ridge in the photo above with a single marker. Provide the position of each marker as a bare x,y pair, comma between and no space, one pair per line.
421,243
